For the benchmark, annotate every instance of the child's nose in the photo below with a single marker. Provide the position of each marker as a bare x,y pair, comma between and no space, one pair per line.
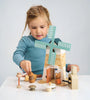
38,30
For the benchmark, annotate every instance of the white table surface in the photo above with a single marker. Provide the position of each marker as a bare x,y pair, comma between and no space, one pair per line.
9,91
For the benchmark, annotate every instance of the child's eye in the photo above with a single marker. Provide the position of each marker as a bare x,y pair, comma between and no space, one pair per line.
33,27
42,26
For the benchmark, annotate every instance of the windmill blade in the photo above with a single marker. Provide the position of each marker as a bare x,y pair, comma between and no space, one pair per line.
63,45
51,32
52,57
40,44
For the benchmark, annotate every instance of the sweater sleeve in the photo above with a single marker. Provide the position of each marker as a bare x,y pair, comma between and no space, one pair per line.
18,55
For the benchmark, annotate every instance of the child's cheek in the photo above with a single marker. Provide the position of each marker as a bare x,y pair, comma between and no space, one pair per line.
46,31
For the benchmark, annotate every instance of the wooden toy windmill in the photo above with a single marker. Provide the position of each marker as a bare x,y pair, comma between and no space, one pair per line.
51,57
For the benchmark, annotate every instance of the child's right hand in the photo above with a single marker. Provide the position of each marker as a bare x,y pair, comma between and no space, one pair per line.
26,66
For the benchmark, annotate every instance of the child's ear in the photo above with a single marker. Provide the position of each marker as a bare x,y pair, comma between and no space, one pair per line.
48,25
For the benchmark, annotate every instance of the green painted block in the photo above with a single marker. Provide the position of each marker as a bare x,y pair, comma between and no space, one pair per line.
52,57
40,44
65,46
51,32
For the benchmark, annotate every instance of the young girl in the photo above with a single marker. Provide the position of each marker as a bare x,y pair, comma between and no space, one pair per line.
27,56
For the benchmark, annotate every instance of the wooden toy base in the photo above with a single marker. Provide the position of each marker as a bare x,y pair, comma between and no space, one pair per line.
18,86
53,81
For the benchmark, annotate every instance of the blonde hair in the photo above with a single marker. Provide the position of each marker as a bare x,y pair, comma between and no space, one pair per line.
34,12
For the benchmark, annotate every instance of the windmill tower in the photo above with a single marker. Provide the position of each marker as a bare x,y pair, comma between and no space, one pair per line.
60,62
55,54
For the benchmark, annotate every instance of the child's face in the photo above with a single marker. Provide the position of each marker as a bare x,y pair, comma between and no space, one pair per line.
39,27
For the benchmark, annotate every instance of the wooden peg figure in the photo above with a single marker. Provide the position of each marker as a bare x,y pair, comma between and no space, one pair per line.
19,75
58,78
32,77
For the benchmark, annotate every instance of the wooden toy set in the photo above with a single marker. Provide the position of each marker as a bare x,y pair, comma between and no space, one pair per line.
55,64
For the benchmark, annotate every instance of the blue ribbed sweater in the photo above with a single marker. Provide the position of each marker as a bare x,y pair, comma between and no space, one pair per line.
26,50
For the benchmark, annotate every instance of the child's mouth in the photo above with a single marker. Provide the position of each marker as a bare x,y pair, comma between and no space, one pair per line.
39,35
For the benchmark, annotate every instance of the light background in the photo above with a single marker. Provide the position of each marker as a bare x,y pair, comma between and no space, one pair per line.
72,21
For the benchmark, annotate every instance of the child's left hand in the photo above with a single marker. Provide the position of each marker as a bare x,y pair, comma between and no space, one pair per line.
69,67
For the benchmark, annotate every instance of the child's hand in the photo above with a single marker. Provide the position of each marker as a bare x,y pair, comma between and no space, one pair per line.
26,66
69,67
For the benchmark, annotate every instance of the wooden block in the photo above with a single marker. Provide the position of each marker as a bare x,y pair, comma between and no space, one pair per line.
48,74
73,78
26,78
